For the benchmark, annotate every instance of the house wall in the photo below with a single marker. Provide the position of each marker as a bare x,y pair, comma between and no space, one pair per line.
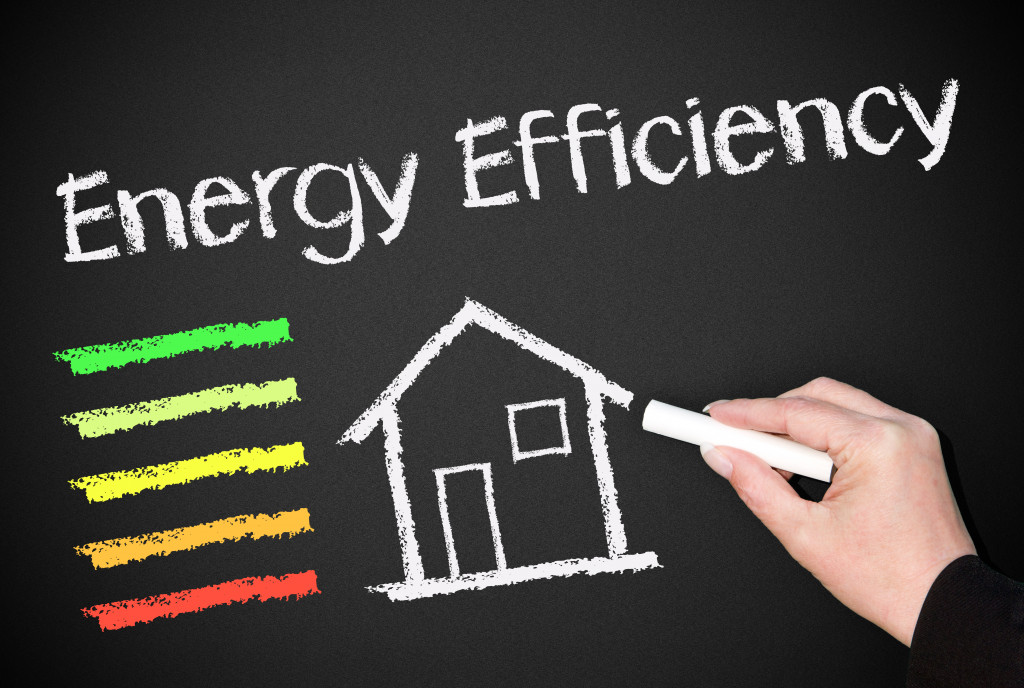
548,507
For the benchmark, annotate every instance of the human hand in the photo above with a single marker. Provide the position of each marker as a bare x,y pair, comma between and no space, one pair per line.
888,523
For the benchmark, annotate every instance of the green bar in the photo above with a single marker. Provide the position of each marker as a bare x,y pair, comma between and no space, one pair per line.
104,421
93,359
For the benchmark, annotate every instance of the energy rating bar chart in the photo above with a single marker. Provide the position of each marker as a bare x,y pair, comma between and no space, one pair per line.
104,487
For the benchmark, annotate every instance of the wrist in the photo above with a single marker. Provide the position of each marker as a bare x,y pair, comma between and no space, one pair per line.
904,621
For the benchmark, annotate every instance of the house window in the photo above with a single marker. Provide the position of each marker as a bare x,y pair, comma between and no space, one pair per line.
538,429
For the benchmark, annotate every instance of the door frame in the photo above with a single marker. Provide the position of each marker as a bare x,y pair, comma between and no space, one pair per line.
440,475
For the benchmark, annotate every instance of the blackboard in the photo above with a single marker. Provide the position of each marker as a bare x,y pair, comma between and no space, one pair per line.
517,339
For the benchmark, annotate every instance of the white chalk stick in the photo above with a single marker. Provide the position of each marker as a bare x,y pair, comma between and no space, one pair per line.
696,428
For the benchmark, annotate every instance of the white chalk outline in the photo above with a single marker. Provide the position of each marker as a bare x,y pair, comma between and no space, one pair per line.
384,411
432,587
440,475
518,455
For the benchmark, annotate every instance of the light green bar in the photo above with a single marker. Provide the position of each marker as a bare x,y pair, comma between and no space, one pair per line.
92,359
104,421
106,486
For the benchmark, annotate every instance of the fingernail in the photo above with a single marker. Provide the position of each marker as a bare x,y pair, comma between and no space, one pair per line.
714,403
716,460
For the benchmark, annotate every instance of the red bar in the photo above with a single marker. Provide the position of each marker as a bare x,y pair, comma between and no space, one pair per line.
130,612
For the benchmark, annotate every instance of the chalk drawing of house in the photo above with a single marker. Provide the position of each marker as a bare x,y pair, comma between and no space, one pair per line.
385,412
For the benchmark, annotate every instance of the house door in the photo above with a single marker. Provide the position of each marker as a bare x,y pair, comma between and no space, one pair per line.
465,497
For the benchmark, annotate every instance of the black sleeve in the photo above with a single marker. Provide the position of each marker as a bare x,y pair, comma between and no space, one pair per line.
970,631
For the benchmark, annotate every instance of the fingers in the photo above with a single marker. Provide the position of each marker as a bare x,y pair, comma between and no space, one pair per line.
786,475
765,492
815,423
842,395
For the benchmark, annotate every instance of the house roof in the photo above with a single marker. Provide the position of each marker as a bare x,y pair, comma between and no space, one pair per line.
472,313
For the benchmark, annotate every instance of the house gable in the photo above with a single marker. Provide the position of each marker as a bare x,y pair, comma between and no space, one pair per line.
472,313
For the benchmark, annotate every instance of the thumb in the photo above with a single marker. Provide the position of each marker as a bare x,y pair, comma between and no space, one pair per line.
765,492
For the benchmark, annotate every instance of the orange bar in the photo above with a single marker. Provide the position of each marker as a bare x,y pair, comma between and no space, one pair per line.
107,553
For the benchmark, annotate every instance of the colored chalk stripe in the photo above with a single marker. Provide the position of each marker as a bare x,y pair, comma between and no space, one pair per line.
108,553
127,613
104,421
99,357
106,486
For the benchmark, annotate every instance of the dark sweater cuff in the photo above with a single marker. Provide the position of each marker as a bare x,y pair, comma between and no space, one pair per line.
970,631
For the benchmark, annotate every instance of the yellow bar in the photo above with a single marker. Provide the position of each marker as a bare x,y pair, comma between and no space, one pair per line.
107,486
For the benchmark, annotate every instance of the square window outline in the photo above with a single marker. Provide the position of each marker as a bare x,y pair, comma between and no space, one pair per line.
517,455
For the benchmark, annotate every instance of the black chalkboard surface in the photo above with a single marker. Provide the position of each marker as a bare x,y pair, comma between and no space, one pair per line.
432,263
